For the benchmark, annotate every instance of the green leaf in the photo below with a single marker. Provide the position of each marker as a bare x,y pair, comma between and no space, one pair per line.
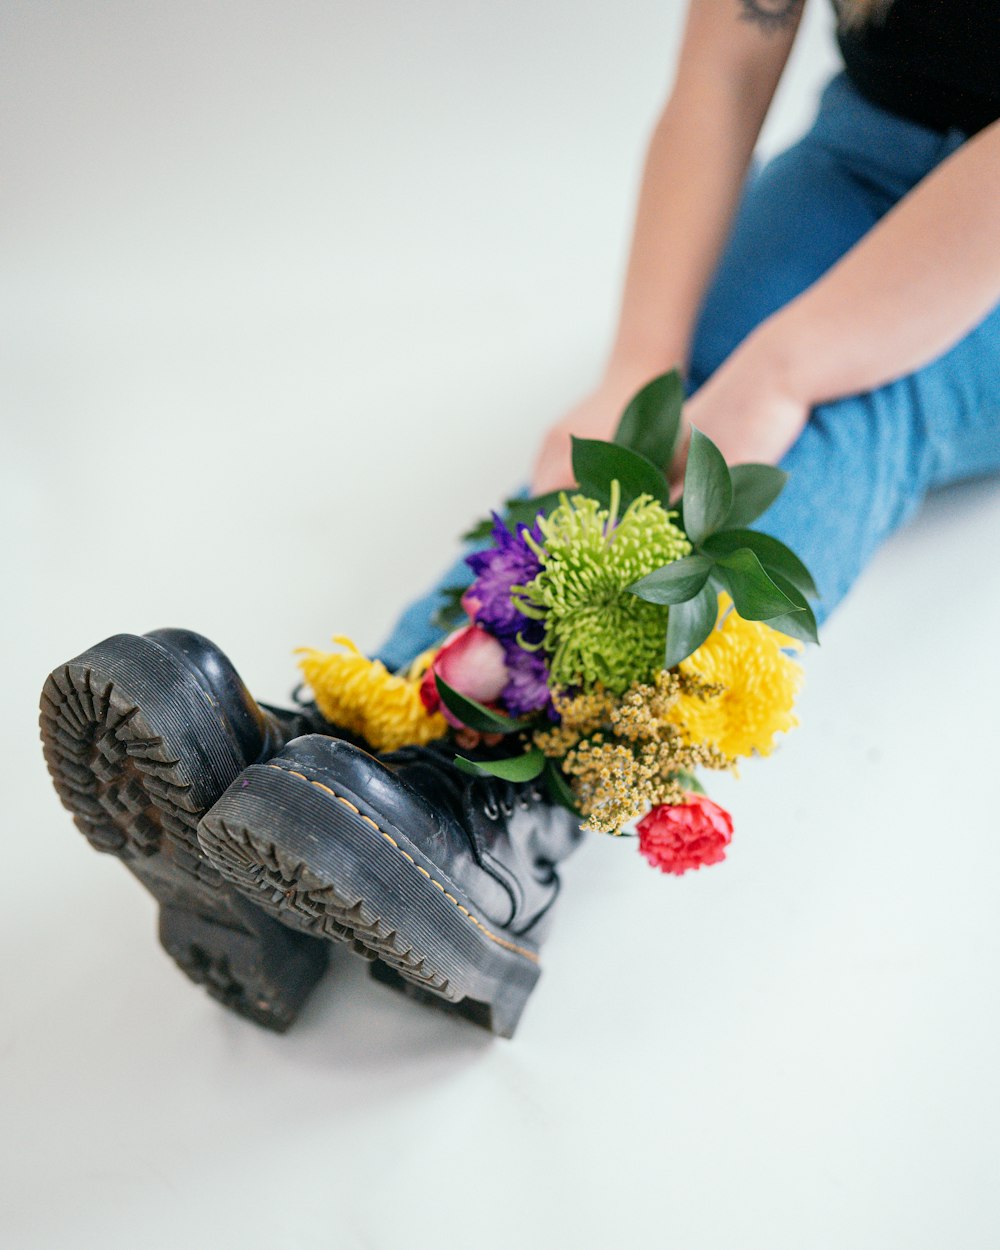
689,624
517,511
773,555
755,488
652,421
450,613
524,767
754,593
708,490
479,532
559,788
474,714
675,582
688,780
597,464
801,624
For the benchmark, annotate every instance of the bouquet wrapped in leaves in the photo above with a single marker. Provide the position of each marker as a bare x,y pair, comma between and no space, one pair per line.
612,643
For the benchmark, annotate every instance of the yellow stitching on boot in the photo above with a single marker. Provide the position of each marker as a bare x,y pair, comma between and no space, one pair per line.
519,950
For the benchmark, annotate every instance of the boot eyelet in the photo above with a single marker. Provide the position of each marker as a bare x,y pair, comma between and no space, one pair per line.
491,811
507,808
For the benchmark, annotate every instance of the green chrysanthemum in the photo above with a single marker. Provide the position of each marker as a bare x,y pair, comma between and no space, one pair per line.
594,629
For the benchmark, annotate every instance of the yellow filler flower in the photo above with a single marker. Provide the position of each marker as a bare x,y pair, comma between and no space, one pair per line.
760,684
361,695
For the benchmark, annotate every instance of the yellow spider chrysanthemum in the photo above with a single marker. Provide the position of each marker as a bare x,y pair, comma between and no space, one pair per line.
361,695
760,684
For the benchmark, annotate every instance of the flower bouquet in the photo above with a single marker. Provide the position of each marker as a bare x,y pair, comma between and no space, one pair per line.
612,643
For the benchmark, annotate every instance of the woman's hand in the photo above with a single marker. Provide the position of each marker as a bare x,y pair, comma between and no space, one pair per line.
595,416
746,409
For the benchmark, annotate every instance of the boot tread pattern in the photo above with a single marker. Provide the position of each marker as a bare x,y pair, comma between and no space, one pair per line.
129,796
493,937
292,892
126,793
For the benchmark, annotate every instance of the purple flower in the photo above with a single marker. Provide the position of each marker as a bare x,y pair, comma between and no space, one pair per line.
510,562
527,688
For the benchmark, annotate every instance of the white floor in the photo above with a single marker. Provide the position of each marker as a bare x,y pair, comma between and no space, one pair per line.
289,291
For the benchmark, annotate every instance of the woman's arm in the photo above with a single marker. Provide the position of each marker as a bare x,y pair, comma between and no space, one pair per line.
918,282
731,58
910,289
697,160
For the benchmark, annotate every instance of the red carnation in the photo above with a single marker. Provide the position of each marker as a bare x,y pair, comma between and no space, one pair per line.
676,837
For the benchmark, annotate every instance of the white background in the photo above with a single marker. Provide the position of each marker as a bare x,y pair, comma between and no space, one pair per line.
289,291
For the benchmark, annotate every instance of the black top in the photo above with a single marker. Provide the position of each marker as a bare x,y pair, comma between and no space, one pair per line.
936,62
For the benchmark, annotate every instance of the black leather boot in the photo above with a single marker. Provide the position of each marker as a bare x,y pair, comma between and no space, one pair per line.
447,879
141,735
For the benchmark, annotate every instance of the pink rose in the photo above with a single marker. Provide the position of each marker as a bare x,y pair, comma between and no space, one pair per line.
471,661
685,835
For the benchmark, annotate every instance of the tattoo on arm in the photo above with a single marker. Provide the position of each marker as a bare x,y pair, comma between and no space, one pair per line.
770,15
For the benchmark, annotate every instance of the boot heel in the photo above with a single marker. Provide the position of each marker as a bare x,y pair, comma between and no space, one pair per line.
262,971
499,1017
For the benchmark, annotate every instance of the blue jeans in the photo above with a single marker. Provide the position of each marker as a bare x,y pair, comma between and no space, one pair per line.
863,464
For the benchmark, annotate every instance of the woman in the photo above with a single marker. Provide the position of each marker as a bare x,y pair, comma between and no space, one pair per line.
849,328
836,313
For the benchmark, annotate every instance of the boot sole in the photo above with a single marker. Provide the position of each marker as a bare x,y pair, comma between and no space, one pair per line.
138,751
320,861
